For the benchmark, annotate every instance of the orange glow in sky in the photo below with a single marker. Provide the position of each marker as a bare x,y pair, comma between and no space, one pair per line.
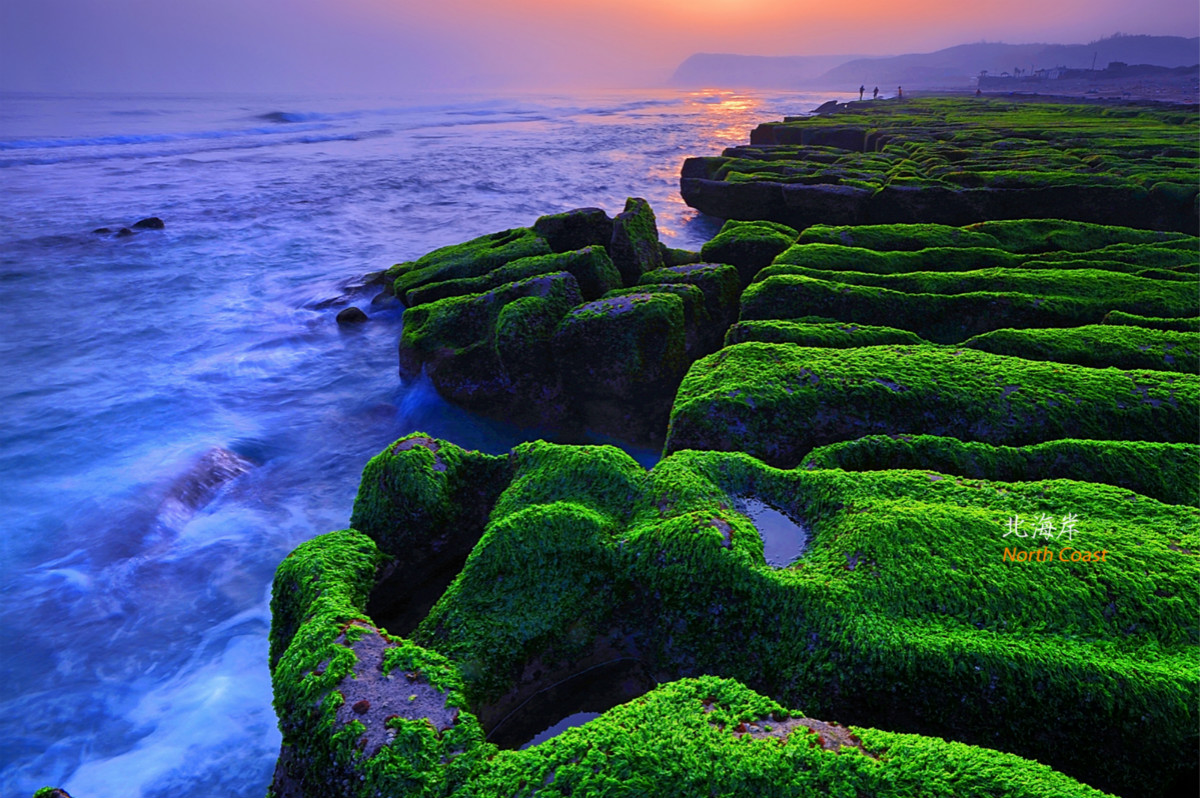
371,45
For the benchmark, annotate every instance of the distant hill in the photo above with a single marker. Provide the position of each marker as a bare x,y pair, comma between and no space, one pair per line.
952,67
753,71
956,66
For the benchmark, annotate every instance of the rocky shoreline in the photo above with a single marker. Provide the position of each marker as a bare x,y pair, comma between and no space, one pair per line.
924,341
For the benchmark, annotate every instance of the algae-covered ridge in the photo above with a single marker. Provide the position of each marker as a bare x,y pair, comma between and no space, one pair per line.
983,416
939,160
903,614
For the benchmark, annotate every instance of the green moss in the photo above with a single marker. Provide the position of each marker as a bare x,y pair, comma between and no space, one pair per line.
748,245
902,614
959,162
622,358
682,740
1169,472
1098,345
719,283
455,341
897,236
837,335
1047,235
948,318
837,258
635,248
1191,324
469,259
420,484
1171,297
778,401
591,267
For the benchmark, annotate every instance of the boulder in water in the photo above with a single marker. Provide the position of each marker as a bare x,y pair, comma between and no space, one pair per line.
351,315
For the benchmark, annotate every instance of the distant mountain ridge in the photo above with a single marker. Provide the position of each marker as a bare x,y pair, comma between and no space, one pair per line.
951,67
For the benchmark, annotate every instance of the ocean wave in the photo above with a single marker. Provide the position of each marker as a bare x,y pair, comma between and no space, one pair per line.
123,140
291,117
187,151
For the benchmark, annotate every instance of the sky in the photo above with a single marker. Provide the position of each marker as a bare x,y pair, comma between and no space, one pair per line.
371,46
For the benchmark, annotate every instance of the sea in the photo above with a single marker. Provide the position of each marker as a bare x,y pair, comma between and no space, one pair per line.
136,574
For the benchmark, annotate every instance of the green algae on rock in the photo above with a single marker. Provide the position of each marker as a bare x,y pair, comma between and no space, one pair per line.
818,331
748,245
957,161
903,614
1098,345
1163,471
778,401
1191,324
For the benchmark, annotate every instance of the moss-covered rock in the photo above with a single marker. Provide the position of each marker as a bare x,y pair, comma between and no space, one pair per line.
898,237
906,612
622,358
592,268
836,335
634,246
1169,472
1098,345
679,257
480,353
702,335
949,318
1191,324
957,162
778,401
577,229
469,259
719,283
748,245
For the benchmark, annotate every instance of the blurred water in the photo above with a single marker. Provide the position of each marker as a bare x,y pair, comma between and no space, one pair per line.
136,624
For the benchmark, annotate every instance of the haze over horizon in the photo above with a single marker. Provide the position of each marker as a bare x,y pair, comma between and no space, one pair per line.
382,46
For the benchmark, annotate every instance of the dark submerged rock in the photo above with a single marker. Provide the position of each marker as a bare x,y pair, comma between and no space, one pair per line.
149,223
351,315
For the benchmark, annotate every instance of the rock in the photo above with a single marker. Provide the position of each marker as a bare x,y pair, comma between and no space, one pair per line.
1162,471
100,231
470,259
634,246
351,315
583,227
778,401
124,232
719,283
748,245
591,266
622,358
939,162
456,341
384,299
581,559
702,332
678,257
149,223
1098,346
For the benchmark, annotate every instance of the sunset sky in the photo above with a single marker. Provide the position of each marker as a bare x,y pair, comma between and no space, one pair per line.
381,45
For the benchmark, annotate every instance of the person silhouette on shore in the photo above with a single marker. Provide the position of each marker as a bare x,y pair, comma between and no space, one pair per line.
876,95
861,89
899,92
